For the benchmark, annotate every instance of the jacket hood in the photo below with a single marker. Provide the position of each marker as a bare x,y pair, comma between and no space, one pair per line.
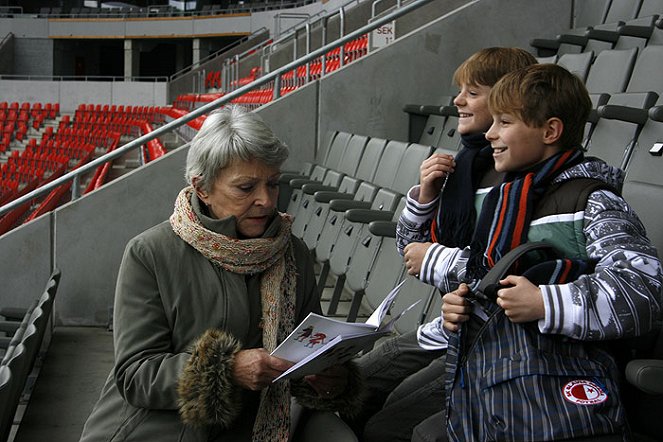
594,168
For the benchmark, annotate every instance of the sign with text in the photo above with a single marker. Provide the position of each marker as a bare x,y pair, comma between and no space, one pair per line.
383,35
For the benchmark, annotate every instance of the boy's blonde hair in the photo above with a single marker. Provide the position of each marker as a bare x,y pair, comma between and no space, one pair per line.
536,93
489,65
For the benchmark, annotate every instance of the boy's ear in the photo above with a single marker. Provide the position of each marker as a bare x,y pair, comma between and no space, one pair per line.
553,129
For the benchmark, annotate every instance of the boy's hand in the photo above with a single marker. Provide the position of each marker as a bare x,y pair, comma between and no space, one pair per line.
255,369
455,308
431,176
413,256
522,302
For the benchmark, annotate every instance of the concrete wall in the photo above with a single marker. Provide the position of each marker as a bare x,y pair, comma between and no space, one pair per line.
33,56
90,255
89,234
72,93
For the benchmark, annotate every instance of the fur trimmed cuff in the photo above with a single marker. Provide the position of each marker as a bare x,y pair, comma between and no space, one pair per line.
350,401
207,393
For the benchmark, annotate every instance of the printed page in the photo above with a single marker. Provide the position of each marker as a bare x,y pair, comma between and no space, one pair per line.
337,351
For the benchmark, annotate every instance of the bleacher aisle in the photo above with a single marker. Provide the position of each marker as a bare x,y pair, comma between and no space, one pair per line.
72,375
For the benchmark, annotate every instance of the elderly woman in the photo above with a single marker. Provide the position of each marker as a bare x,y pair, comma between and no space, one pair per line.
202,300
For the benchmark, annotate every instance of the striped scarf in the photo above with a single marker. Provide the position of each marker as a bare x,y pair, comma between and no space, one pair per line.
274,258
507,212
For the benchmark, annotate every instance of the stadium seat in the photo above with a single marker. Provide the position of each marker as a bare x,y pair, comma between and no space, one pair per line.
578,64
615,134
17,363
333,157
369,164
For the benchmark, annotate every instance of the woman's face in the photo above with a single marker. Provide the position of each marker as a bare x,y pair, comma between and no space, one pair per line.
247,190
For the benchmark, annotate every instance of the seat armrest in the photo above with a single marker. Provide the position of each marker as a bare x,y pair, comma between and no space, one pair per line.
415,109
323,196
365,216
383,228
623,113
603,35
573,39
311,188
9,327
646,375
636,31
343,205
13,313
286,177
298,183
549,44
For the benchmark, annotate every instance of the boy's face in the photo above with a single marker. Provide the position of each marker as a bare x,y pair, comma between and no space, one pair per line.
517,146
472,104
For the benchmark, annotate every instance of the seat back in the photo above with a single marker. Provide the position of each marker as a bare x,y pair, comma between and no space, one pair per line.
353,154
389,163
611,71
351,232
646,74
407,174
590,13
577,64
336,150
333,223
18,366
622,10
650,7
364,255
372,156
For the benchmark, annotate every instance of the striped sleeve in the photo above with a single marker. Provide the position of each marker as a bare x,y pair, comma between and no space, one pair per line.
415,221
622,298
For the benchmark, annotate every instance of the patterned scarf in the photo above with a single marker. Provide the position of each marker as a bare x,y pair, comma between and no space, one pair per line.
455,220
274,258
507,212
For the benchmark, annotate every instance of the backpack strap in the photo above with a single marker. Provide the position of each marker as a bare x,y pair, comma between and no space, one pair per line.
489,285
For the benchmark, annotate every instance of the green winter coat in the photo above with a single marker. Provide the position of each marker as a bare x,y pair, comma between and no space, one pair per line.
168,295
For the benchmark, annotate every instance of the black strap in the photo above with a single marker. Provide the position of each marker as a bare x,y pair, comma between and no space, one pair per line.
489,285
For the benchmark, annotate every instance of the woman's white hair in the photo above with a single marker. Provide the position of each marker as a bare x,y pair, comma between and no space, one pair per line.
231,134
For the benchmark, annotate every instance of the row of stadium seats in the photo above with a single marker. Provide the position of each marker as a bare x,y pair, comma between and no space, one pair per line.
27,333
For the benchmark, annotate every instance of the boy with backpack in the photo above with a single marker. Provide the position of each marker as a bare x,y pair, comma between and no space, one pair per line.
535,362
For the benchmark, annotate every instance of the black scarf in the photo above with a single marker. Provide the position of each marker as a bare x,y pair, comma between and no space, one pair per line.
455,220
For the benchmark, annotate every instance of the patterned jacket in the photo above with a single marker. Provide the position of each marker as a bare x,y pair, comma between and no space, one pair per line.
519,375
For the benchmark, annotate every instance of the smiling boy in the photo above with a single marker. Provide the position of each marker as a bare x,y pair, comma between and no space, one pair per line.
539,350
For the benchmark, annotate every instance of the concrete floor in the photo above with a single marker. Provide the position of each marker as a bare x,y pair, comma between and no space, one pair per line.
69,383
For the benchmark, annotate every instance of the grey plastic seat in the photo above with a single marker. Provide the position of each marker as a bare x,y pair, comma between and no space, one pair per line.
577,64
17,364
646,75
363,199
643,186
348,166
368,166
615,133
332,162
611,71
425,122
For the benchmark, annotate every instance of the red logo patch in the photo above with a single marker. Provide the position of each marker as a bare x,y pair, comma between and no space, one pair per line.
583,392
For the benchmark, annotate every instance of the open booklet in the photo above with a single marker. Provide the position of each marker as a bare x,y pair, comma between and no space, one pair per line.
319,342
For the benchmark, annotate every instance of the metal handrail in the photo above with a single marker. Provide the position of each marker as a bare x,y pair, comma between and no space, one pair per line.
76,173
80,78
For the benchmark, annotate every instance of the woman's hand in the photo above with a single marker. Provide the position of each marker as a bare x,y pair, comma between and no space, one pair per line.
330,383
522,301
255,369
432,173
413,256
455,308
